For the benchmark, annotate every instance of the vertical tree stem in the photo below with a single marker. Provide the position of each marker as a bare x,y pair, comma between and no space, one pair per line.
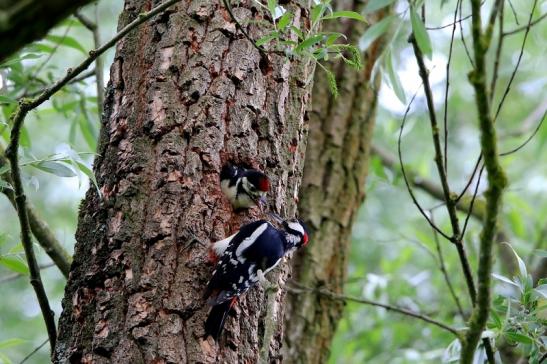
496,184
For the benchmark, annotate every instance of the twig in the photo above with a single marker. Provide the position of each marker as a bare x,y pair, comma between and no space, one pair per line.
496,184
33,351
514,73
12,153
463,38
514,11
442,267
527,140
498,55
450,203
447,85
405,178
403,311
520,29
228,7
15,276
472,203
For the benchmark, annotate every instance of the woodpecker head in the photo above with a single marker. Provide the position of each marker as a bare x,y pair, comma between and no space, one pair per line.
255,184
296,233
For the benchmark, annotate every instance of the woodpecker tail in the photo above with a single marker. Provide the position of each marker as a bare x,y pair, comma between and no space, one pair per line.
217,317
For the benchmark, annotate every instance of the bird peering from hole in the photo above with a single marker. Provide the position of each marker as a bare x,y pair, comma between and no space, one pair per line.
244,187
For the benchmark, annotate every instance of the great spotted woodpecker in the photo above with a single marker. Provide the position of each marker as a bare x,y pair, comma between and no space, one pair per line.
244,259
244,187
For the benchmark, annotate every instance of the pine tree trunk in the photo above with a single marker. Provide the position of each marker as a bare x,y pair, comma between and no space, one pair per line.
187,93
333,189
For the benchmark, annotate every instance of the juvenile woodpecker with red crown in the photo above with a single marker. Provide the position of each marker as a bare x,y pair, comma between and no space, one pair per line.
243,260
244,187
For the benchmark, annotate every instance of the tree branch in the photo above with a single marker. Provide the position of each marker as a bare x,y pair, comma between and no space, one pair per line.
496,184
302,289
450,202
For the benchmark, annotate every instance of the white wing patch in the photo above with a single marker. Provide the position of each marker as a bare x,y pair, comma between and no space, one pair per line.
220,246
247,242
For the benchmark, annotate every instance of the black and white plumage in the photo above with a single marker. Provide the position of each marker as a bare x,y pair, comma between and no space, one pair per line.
244,187
244,259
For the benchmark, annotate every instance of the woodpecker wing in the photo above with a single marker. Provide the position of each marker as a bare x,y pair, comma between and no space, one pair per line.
257,246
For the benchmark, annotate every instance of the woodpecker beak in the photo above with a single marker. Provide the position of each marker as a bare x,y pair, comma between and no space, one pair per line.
261,202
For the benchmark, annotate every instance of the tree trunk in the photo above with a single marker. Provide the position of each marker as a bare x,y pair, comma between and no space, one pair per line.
333,189
187,93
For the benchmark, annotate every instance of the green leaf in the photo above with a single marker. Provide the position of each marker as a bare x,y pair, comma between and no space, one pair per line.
316,12
374,32
505,279
332,38
420,33
345,14
89,173
309,42
11,342
522,267
272,4
267,38
374,5
297,32
14,264
541,290
515,336
67,41
394,79
284,20
498,324
4,99
55,168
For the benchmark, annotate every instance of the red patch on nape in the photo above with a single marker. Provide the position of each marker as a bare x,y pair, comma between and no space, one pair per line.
305,238
264,184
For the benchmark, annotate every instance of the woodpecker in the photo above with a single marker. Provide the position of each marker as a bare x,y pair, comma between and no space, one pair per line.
244,259
244,187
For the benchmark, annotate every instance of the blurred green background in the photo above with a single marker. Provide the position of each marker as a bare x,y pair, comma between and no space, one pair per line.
393,258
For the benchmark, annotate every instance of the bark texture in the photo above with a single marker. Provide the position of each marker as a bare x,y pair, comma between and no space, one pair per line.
22,21
333,189
187,93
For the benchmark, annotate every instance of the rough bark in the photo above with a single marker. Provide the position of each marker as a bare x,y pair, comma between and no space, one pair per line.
22,21
332,191
187,93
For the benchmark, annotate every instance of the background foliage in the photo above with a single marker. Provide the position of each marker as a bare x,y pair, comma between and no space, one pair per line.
394,255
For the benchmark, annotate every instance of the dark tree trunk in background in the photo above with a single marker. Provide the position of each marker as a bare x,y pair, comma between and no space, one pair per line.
22,22
333,189
187,93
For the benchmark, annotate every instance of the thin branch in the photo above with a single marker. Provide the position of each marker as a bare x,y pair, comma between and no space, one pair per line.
472,203
34,351
405,178
447,86
498,55
403,311
12,153
513,11
442,267
527,140
450,203
514,73
496,184
463,38
520,29
15,276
